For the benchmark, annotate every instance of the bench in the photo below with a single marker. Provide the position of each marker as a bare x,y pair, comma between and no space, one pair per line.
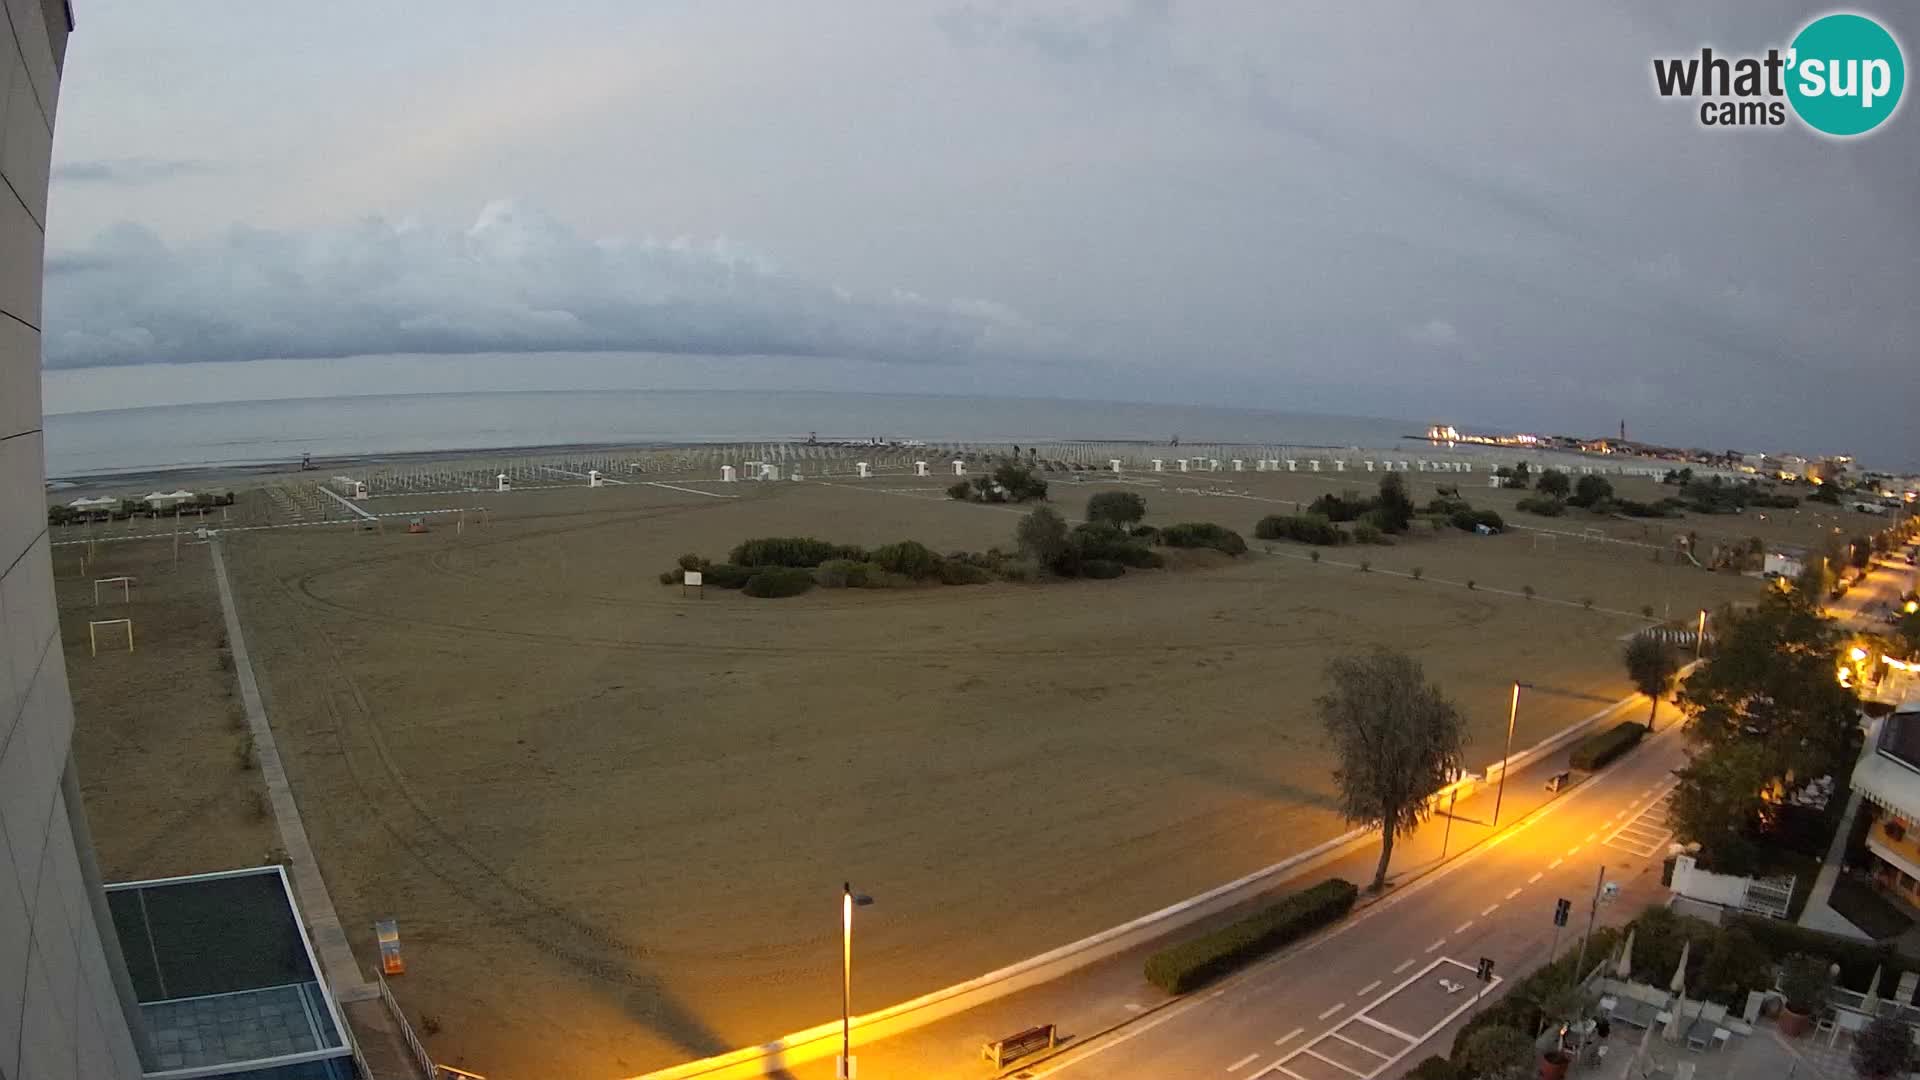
1020,1044
1558,781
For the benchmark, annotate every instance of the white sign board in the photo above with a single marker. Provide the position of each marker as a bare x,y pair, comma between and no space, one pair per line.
692,577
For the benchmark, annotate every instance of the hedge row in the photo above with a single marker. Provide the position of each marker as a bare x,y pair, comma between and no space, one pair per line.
1857,959
1468,520
1595,751
1179,968
778,581
791,551
1305,528
1204,534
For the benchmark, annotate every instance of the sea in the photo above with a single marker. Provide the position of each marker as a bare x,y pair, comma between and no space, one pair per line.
251,433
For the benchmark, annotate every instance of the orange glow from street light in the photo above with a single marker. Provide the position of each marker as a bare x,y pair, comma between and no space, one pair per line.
1857,654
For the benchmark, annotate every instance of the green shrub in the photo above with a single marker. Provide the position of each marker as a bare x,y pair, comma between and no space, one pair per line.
1204,534
727,575
670,577
691,561
1519,1008
848,574
1469,520
791,551
1339,507
1366,532
1179,968
1304,528
1017,481
1120,508
908,557
1108,543
1145,532
778,581
1595,751
1542,505
960,490
1101,569
1417,572
964,573
1857,959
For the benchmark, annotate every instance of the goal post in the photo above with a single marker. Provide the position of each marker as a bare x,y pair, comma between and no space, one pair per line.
93,633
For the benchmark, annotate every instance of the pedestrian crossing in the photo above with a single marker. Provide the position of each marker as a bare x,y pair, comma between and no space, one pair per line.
1646,833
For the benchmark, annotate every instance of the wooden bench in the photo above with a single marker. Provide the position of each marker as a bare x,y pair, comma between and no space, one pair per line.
1020,1044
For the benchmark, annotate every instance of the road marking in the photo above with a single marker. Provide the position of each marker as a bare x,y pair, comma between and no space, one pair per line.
1555,864
1244,1062
1132,1006
1288,1037
1333,1009
1360,1045
1371,1022
1513,894
1217,993
1335,1064
1646,793
1404,965
1572,851
1590,838
1436,945
1462,928
1488,910
1368,989
1536,877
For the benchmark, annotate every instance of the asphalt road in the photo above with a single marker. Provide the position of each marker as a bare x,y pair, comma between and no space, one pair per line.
1371,998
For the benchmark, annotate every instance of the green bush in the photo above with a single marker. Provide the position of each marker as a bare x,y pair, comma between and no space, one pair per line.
1203,534
1101,569
1857,959
964,573
1145,532
1340,507
1595,751
960,490
1120,508
848,574
908,557
728,576
1179,968
778,581
1519,1007
1366,532
670,577
1304,528
1469,520
1542,505
791,551
692,562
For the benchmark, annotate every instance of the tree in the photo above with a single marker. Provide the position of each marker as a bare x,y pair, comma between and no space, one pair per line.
1122,508
1884,1050
1397,740
1553,482
1907,630
1042,536
1019,481
1394,508
1517,477
1497,1052
1770,683
1651,664
1590,490
1860,552
1719,804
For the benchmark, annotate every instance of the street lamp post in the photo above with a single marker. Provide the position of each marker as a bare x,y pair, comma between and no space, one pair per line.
1513,713
849,901
1700,636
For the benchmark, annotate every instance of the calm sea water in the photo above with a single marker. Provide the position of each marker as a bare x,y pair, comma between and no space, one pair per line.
242,433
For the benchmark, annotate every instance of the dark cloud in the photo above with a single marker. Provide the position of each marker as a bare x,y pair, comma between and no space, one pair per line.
126,171
515,281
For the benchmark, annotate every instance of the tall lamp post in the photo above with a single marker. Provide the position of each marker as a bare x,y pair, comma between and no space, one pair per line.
1700,636
1513,713
843,1069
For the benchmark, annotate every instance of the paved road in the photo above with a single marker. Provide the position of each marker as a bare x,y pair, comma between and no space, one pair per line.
1367,1001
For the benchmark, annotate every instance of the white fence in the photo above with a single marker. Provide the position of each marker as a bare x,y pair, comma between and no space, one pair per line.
1763,896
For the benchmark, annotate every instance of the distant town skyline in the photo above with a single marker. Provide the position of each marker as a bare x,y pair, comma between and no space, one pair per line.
1316,210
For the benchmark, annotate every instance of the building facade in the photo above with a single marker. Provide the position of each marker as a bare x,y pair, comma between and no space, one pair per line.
1889,780
64,994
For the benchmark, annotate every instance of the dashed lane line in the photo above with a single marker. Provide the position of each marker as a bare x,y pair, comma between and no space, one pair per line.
1555,864
1488,910
1514,893
1244,1062
1333,1009
1535,878
1436,946
1288,1037
1462,928
1404,965
1368,989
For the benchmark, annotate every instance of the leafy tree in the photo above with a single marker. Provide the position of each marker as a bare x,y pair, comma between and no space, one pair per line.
1719,803
1651,664
1860,552
1397,738
1884,1050
1121,508
1394,509
1589,490
1497,1052
1907,630
1042,536
1555,483
1770,683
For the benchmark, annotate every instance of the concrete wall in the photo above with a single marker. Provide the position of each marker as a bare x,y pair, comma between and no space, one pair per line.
1696,884
61,1013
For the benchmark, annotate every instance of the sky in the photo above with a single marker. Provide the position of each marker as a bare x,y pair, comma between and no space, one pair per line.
1476,214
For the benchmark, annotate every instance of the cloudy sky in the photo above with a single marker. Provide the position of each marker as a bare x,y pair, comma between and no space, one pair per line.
1480,214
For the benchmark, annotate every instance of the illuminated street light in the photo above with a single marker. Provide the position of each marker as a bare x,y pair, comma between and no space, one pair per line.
1700,637
1857,654
1513,712
843,1069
